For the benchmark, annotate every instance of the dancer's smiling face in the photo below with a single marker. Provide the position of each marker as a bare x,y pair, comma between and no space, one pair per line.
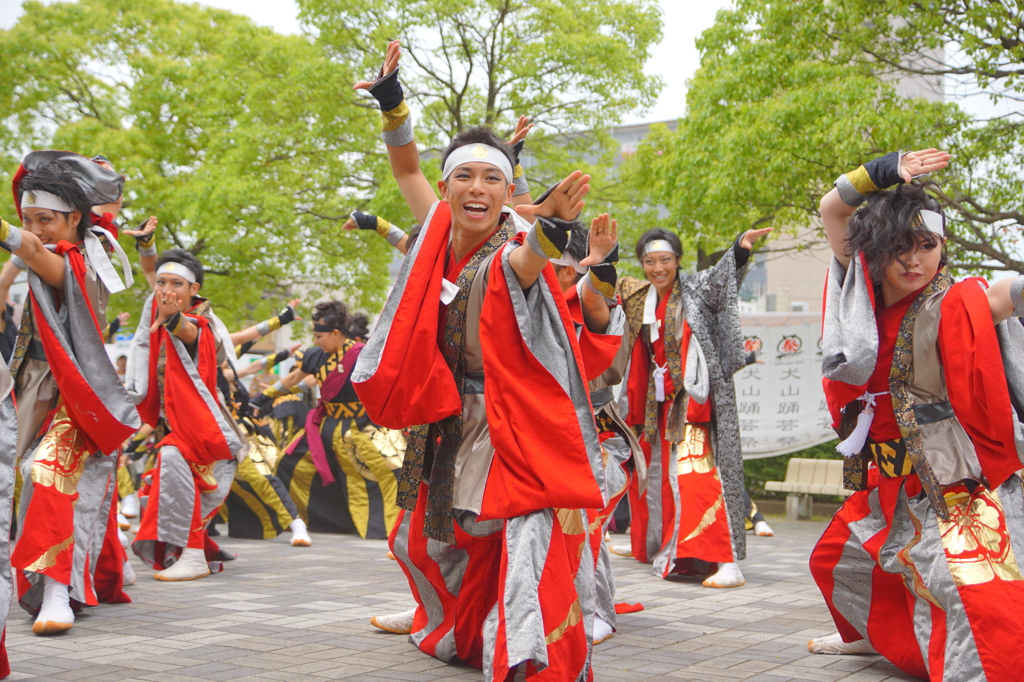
51,226
660,269
476,192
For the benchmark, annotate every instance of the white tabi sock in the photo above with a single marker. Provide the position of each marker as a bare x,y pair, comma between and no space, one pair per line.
834,645
763,529
129,573
602,630
55,615
728,575
300,536
396,623
130,506
190,565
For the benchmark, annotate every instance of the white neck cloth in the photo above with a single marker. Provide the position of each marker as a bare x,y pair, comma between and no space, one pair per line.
40,199
178,269
477,153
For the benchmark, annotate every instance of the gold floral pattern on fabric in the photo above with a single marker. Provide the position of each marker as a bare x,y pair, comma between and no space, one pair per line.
707,519
976,539
633,293
49,557
571,521
903,404
675,368
59,460
915,583
21,345
574,616
694,451
854,468
891,458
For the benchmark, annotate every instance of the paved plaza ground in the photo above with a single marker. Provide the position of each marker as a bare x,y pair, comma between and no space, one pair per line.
284,613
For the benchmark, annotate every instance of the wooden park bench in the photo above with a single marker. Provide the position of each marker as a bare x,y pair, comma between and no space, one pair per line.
806,477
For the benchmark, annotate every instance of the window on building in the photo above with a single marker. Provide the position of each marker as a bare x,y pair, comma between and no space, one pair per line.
798,306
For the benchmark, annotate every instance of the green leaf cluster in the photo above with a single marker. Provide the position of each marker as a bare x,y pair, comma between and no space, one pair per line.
791,95
575,67
249,146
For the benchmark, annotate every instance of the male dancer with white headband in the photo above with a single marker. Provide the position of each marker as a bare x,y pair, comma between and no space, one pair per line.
73,412
684,336
172,375
476,352
925,382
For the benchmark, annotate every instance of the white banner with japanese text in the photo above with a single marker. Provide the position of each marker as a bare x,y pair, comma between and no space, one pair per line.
780,400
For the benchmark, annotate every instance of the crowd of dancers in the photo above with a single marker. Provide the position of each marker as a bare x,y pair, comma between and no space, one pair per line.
515,396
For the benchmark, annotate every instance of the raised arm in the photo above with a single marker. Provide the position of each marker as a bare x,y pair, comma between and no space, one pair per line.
521,194
598,292
286,316
367,221
26,246
145,244
550,233
398,136
850,190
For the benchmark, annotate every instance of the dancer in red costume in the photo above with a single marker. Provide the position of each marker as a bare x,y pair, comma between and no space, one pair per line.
685,346
924,379
475,331
172,374
73,411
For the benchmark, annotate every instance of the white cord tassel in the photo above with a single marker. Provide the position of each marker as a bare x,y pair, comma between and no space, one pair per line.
854,443
659,382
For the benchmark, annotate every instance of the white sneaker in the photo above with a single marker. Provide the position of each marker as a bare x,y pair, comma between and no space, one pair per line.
763,529
189,566
122,538
130,506
728,575
129,574
834,645
396,623
55,615
621,550
300,535
602,630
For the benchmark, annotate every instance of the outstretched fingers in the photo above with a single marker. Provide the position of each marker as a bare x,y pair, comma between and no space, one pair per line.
391,57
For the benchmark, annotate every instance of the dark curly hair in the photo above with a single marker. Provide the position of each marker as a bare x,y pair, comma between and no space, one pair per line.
333,314
186,258
478,135
359,327
658,233
888,226
60,179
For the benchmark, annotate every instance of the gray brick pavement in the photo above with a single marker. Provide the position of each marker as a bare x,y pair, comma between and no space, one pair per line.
284,613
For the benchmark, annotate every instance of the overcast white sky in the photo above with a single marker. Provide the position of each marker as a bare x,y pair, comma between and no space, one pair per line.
675,59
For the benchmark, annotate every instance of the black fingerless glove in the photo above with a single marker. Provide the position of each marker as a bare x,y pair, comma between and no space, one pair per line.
549,236
873,176
603,277
396,126
741,254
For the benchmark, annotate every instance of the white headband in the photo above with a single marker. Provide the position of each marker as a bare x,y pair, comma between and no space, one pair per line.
935,222
656,245
40,199
476,153
178,269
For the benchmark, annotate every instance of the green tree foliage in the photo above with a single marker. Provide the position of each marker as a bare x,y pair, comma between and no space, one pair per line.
790,95
575,67
242,141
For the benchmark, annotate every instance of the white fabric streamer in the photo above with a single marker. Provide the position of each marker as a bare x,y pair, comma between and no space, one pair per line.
102,263
854,443
659,382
